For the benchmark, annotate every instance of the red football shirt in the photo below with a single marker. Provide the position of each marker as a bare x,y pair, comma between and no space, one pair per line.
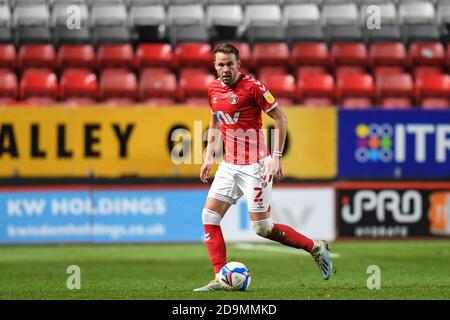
238,111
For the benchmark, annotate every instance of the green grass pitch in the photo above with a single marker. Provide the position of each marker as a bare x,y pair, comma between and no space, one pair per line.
409,270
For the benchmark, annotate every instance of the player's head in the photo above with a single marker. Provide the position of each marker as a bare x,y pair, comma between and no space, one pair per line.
227,62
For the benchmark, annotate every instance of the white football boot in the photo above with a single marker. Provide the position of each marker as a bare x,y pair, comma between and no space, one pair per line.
321,255
213,285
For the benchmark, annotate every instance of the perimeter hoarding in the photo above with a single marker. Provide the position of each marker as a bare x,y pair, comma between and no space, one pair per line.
310,210
148,214
142,141
389,144
96,215
393,210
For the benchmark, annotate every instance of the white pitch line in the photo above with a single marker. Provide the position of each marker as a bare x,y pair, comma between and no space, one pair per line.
270,248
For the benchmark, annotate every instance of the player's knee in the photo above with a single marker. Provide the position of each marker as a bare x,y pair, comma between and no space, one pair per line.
211,217
263,227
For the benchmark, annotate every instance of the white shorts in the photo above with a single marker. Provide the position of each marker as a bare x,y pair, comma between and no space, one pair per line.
232,181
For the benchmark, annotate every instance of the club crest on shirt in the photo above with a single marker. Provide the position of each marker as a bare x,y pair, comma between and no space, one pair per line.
269,97
234,99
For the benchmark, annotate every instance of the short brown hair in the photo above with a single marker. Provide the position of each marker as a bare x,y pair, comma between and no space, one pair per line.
226,48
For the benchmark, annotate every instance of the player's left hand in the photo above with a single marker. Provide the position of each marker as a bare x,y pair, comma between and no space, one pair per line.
275,171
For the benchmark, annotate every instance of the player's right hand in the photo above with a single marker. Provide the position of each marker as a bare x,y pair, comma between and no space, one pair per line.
205,170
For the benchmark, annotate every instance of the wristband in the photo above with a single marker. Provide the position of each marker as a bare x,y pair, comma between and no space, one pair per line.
277,153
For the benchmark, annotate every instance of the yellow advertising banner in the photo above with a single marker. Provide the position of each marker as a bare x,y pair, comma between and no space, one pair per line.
103,141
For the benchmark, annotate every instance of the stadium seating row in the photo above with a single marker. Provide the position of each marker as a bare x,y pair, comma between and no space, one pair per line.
114,22
128,3
158,52
201,2
101,13
39,86
158,86
260,56
255,34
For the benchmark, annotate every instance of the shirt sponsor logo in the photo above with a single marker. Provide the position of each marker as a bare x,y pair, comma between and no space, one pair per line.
225,117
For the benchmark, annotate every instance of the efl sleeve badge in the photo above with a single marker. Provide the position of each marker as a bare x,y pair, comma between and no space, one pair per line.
269,97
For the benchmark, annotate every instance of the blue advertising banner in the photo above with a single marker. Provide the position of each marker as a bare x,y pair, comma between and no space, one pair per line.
101,216
388,144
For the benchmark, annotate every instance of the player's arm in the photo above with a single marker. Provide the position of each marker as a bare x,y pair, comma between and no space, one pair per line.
213,137
280,123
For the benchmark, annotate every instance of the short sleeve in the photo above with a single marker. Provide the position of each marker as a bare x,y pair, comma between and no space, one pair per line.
210,101
263,97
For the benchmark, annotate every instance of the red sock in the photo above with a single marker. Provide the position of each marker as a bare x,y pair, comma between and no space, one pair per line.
216,246
289,237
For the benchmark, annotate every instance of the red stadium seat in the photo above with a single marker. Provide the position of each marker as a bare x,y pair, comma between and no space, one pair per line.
118,86
37,56
282,87
194,85
159,102
38,86
310,70
78,101
448,56
183,72
310,54
388,54
264,72
357,103
285,102
157,87
6,101
8,85
355,91
315,90
435,103
159,70
395,91
76,56
247,71
193,55
387,70
271,54
433,91
426,58
317,102
396,103
427,70
7,56
115,56
426,54
154,55
348,70
196,102
348,54
245,55
78,83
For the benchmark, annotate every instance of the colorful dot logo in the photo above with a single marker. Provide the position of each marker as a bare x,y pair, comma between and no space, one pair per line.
374,143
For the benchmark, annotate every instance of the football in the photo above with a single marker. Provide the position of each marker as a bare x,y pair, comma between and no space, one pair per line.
235,276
